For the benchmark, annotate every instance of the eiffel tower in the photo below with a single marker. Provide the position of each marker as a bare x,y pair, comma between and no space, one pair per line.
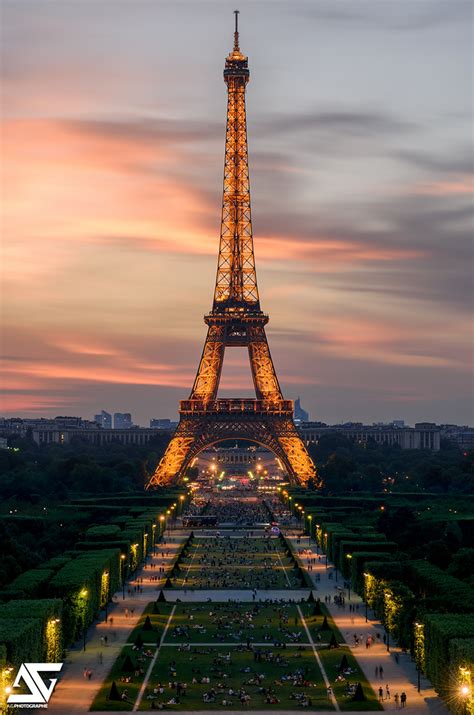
235,320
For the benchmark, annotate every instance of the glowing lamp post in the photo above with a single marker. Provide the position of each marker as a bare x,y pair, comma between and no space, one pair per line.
349,557
84,593
122,572
465,689
464,692
418,638
366,576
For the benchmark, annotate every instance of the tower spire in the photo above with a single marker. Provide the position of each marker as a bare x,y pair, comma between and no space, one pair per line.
236,32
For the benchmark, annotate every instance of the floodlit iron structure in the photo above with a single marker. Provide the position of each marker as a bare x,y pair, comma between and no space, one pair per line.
235,320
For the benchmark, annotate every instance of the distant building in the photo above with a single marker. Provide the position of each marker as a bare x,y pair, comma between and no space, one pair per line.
122,420
61,430
424,435
300,415
104,419
162,423
462,435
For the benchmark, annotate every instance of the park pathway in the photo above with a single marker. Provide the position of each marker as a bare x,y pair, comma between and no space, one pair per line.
74,693
401,676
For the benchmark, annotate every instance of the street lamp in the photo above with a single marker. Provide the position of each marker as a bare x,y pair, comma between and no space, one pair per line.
366,576
349,556
84,594
465,689
122,571
107,595
326,547
464,692
418,627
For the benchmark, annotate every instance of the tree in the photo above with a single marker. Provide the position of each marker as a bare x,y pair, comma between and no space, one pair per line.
114,692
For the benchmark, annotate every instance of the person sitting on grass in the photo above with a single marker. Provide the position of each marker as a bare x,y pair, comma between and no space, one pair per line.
124,696
271,699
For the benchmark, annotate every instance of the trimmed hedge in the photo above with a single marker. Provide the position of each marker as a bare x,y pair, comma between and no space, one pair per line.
47,610
32,583
442,591
22,639
56,563
461,655
85,574
359,561
348,546
102,533
440,630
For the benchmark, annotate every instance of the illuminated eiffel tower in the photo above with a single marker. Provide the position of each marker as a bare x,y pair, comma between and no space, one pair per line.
235,320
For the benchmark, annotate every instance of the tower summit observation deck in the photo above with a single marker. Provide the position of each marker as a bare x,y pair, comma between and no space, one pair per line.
236,319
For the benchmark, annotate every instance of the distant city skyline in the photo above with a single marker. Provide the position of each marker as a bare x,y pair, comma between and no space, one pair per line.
361,177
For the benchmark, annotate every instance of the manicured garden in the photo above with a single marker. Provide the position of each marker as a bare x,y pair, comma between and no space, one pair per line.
230,655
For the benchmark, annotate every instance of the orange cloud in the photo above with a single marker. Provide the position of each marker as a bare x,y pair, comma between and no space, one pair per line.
462,184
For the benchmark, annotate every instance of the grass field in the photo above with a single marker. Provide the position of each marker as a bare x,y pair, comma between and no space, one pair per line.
285,674
225,562
138,659
260,650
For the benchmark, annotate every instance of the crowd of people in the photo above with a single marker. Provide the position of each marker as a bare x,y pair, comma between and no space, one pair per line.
231,681
228,562
276,623
239,512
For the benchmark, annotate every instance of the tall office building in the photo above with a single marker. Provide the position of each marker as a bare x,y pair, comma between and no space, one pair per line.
300,414
122,420
104,419
161,423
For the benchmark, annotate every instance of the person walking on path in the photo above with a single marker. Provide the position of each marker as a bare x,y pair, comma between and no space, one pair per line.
380,694
395,697
403,699
387,692
377,671
381,672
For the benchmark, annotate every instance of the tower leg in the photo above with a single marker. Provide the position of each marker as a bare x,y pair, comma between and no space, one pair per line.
210,368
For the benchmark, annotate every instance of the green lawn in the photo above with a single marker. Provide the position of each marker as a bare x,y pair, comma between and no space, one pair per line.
139,660
236,563
283,673
236,623
331,660
314,616
286,664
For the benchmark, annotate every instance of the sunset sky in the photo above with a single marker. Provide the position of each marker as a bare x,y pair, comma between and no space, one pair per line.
359,121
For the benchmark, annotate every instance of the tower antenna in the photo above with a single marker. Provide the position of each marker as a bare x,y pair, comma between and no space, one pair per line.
236,31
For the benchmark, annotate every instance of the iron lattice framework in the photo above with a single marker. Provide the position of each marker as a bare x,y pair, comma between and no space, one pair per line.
235,320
